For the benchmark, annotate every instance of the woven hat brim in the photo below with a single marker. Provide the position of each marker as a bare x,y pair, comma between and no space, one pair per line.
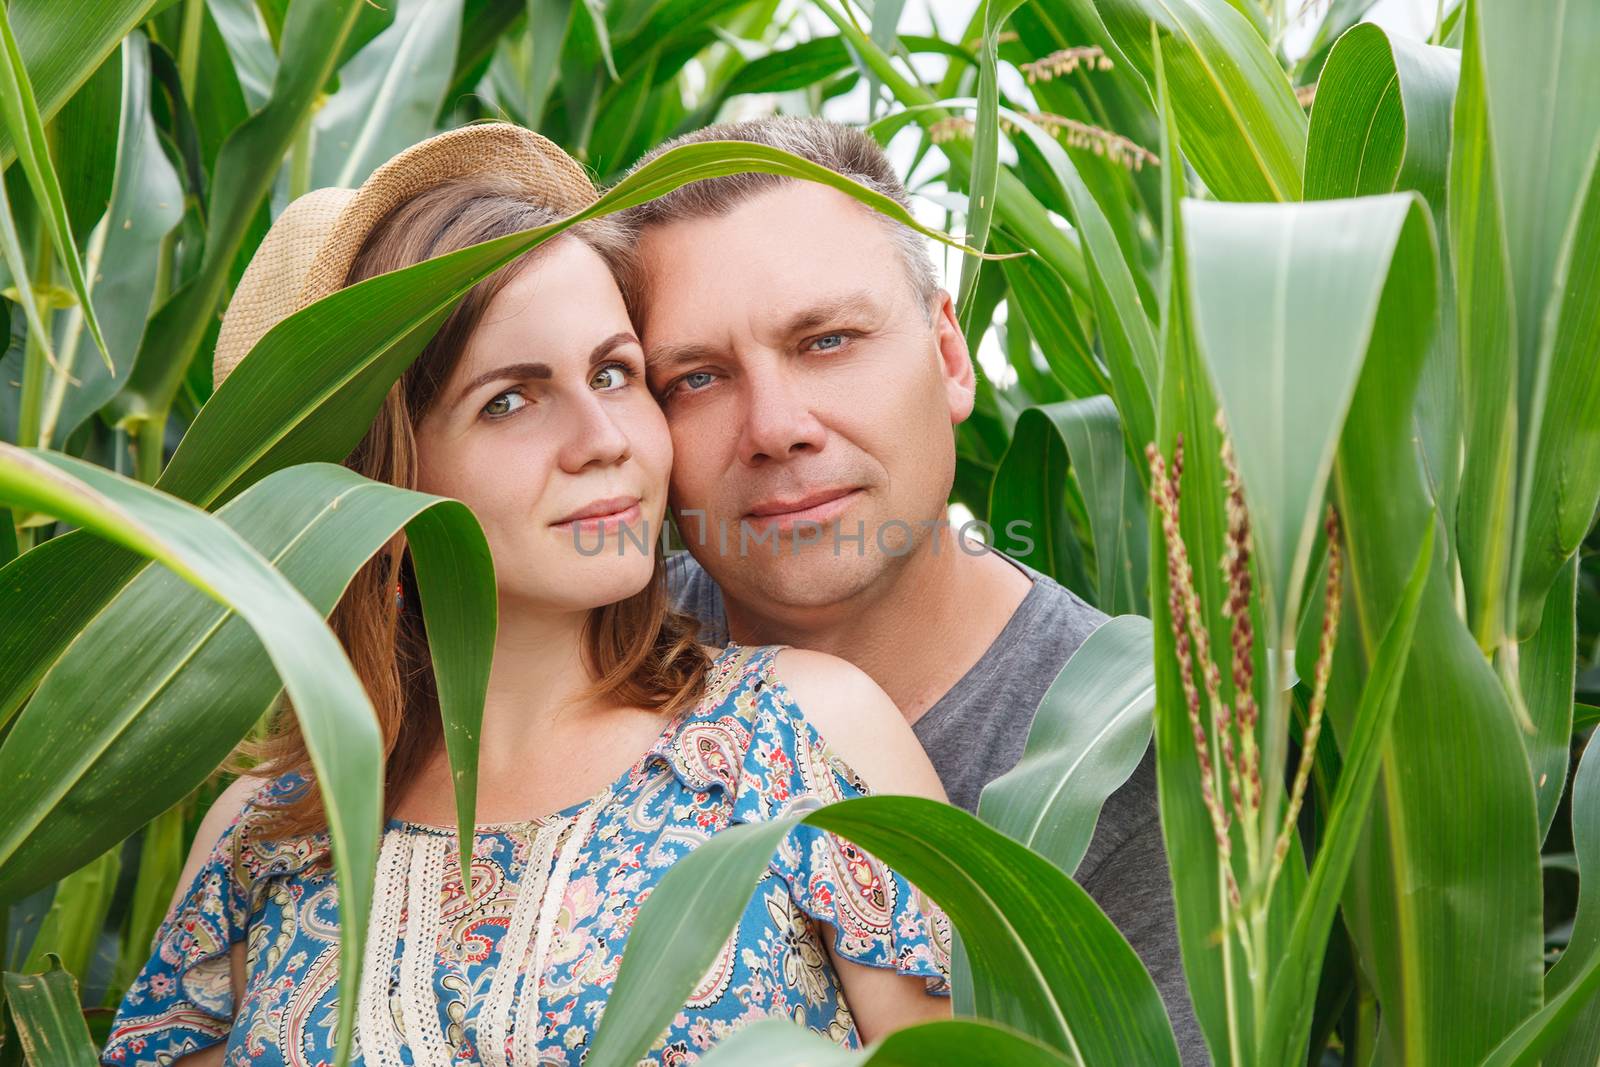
323,231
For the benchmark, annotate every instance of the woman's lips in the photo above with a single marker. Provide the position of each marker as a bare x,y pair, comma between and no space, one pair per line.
611,522
784,520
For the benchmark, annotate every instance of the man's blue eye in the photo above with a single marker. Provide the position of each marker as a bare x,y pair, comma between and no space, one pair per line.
697,379
829,341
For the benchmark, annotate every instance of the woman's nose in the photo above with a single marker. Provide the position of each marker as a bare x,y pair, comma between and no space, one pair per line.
593,436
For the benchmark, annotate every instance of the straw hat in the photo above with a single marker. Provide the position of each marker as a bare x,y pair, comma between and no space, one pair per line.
312,245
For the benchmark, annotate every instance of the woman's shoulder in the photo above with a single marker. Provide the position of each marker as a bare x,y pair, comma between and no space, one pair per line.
245,798
239,831
838,706
250,799
217,840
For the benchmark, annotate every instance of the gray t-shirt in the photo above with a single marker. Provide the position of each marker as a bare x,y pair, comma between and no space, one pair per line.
977,731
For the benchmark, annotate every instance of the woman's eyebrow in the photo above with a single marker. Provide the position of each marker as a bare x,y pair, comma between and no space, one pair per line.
540,371
611,344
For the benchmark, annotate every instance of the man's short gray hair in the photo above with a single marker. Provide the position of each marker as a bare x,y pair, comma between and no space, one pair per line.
843,149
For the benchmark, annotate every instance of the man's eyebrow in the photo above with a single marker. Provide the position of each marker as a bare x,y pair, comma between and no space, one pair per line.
828,312
542,371
832,311
669,355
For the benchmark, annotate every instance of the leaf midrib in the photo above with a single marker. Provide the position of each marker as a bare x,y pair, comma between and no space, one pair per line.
1127,708
1227,99
92,756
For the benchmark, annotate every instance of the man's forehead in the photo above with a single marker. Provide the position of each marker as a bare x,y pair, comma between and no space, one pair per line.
771,227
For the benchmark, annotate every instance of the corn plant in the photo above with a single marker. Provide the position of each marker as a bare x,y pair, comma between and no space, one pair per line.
1294,371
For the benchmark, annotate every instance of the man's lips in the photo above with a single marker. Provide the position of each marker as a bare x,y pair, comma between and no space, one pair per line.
821,506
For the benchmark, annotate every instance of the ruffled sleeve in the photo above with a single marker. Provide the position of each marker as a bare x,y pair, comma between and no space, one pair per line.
879,918
182,1000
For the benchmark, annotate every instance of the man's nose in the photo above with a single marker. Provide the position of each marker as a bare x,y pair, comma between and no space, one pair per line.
778,419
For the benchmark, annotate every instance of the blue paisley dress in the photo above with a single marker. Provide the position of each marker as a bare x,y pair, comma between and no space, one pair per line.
519,974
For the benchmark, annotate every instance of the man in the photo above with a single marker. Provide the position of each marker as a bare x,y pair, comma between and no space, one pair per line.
813,372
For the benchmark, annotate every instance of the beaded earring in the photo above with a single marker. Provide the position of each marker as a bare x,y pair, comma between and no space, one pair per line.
399,595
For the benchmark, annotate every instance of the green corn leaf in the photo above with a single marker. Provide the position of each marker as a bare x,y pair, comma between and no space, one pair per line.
1092,728
957,1043
1046,961
146,203
1382,124
1124,322
1547,664
316,524
1286,302
984,178
815,59
1287,1027
1382,118
389,94
336,716
21,276
1488,356
1525,204
1243,130
253,60
1565,1032
83,145
1447,874
8,541
1341,16
313,37
885,20
1037,509
1106,495
1017,208
1187,406
60,54
49,1023
1045,304
22,119
1564,481
71,928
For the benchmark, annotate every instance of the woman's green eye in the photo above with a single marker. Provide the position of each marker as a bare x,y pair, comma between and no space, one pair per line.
611,376
500,406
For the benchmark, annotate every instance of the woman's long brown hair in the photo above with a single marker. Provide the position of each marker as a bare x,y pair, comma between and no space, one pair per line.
642,652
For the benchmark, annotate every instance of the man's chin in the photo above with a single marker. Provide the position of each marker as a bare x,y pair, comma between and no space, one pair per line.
813,577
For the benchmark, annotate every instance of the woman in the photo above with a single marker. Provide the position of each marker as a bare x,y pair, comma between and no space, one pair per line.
612,744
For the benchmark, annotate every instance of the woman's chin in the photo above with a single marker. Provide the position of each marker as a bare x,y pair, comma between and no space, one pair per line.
580,583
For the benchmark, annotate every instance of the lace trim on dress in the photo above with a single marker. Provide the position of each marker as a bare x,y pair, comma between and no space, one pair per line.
377,1030
494,1026
419,1009
528,1026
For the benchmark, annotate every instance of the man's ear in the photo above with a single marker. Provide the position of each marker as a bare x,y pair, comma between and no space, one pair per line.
955,361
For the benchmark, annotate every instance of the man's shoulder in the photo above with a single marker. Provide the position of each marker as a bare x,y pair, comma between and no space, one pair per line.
692,591
682,567
1051,612
686,578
